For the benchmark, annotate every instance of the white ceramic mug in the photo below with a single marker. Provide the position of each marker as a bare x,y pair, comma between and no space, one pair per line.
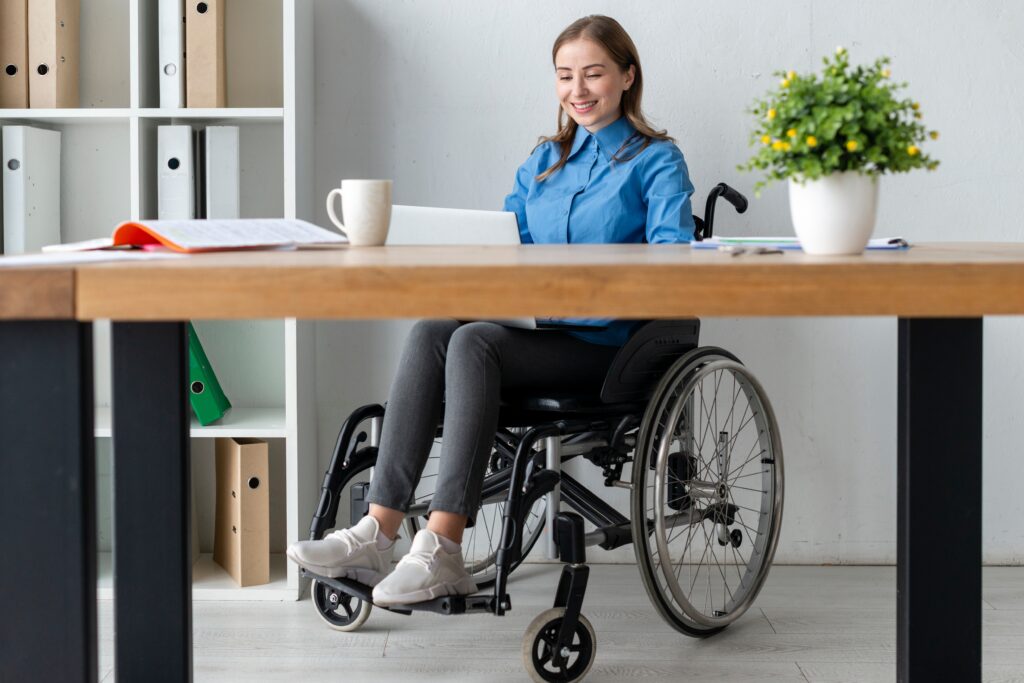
367,209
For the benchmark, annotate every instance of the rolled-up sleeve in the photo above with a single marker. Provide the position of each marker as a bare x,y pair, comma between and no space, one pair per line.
667,190
516,199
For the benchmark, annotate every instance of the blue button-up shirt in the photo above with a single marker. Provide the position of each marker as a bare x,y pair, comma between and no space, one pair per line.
593,199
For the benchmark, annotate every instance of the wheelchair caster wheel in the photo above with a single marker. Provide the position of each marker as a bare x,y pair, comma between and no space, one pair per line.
540,640
340,611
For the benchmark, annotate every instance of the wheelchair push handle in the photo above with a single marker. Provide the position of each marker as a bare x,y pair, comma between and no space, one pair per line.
739,202
733,197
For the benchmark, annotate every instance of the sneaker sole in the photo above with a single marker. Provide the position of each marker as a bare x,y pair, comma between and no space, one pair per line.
464,586
363,575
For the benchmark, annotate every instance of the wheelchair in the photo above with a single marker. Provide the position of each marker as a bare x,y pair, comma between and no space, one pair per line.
695,432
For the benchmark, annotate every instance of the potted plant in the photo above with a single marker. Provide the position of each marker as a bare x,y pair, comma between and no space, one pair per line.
831,137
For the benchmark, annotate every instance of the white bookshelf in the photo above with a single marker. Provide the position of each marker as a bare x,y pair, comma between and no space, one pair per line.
108,174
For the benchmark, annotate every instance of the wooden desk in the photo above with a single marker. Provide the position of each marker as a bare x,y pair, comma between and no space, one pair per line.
938,292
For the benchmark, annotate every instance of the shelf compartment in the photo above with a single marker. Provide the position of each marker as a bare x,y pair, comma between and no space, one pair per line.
211,582
260,155
253,38
94,171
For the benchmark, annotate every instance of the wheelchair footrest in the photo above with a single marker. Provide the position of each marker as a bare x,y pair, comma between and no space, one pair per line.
456,604
448,604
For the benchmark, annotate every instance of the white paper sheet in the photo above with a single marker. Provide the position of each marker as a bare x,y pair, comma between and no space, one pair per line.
74,258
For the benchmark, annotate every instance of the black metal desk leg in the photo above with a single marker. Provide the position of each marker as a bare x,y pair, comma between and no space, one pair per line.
47,503
152,512
938,629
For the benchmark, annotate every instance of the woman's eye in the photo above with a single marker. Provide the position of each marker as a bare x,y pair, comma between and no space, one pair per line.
593,75
565,78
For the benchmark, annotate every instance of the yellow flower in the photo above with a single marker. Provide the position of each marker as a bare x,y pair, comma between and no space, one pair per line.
915,106
786,146
790,75
913,151
851,145
784,82
934,135
777,145
791,133
812,141
886,73
766,139
771,113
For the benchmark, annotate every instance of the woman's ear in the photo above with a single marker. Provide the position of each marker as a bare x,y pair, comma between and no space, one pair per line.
630,75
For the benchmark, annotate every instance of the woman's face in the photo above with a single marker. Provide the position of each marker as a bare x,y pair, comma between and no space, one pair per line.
589,84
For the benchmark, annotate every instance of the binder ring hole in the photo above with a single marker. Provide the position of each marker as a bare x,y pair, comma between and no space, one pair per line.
14,164
11,69
234,529
233,495
201,8
254,482
173,164
43,69
198,387
170,69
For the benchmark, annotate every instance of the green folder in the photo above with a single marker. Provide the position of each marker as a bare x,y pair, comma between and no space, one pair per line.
208,400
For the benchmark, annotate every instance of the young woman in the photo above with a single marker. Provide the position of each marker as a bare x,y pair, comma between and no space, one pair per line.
605,176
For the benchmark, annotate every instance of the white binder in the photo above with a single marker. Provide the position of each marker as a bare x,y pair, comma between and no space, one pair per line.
172,54
31,185
222,172
175,173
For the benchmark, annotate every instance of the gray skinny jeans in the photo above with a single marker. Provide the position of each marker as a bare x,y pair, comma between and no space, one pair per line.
465,366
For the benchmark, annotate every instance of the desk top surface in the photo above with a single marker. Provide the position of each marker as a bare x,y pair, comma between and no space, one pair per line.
37,293
636,281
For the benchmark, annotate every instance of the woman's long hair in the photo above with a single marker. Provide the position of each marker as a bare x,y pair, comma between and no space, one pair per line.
610,35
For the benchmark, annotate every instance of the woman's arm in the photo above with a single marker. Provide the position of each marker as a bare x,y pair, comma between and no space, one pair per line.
516,199
667,190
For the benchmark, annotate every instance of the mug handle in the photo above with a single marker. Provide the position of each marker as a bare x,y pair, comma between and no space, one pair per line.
330,211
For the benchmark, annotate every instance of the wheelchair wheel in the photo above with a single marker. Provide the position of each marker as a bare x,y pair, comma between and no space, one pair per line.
340,611
480,541
539,642
707,492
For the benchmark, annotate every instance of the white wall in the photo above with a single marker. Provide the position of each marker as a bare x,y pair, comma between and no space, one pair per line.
448,97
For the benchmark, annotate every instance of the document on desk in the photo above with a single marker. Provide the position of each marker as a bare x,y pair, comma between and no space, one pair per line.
791,243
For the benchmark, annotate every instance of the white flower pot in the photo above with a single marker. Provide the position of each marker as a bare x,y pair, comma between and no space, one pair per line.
835,214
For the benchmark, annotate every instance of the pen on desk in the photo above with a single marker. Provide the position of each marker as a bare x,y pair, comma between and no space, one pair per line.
734,250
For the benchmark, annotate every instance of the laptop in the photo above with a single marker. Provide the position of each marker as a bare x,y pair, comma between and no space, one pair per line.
426,225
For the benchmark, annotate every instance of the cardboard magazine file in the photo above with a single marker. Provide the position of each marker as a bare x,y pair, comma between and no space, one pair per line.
241,541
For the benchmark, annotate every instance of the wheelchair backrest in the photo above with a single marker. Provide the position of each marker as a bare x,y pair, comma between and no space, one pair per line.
648,354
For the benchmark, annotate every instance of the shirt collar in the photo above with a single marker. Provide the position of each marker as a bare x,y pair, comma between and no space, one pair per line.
609,139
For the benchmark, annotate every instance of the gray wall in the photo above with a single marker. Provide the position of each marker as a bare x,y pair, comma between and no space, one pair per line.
448,97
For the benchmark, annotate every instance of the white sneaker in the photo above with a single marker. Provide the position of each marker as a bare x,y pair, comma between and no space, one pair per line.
348,553
427,572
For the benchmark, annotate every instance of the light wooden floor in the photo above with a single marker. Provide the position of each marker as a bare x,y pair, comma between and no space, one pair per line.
809,624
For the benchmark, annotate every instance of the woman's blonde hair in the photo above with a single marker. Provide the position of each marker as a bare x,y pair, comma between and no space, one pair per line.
610,35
